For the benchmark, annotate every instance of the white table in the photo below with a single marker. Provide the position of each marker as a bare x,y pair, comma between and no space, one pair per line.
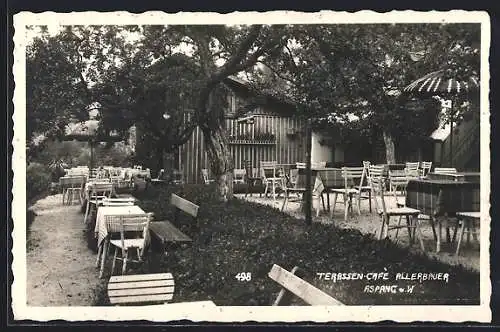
101,229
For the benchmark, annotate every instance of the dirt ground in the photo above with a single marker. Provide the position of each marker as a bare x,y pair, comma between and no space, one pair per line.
61,269
370,223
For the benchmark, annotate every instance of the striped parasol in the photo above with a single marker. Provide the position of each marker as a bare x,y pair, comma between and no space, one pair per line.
436,83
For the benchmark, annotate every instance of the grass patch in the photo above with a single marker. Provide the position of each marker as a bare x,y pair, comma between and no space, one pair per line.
239,236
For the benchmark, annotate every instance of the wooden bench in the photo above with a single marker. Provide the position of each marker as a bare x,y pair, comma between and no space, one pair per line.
141,288
164,231
291,283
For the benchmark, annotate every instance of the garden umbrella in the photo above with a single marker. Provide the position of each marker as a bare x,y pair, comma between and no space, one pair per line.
88,131
438,83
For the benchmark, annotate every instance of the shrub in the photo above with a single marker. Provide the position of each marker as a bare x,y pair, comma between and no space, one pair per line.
38,180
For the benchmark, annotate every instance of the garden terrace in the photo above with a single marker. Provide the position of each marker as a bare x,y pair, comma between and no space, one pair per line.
240,236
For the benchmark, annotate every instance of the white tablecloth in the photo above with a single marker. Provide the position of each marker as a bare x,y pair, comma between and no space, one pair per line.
101,228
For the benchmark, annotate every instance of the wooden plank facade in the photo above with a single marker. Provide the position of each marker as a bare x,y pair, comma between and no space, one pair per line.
269,137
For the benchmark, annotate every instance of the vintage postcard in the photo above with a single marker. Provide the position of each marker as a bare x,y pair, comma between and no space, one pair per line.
268,167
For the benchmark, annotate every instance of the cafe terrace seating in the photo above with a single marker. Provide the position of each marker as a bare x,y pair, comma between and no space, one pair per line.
387,212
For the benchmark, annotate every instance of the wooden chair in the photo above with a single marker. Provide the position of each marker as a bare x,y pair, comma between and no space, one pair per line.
412,169
239,175
73,189
398,180
445,170
385,213
293,284
141,289
364,186
97,193
250,179
269,177
177,177
351,175
468,221
138,226
425,167
206,178
299,189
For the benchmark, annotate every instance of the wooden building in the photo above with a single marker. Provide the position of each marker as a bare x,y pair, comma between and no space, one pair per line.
270,132
267,132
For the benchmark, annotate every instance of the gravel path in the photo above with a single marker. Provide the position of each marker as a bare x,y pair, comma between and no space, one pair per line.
61,269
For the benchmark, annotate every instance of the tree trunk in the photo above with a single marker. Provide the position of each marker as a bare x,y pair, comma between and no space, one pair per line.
390,154
220,160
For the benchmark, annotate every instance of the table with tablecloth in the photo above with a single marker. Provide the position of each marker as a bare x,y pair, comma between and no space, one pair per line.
441,199
460,176
101,229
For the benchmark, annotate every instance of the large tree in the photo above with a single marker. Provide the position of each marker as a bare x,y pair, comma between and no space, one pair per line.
352,75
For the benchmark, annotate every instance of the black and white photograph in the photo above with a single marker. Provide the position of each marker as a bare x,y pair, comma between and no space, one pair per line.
272,167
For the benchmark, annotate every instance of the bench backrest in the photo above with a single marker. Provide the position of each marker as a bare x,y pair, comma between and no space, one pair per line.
307,292
184,205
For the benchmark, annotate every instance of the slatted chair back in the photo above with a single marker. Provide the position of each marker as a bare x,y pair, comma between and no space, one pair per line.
376,171
101,189
294,175
352,175
426,167
138,224
177,177
239,175
204,174
300,165
398,181
445,170
412,169
268,169
378,183
247,164
72,181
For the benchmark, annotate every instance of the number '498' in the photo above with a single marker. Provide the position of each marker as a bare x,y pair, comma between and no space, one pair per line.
244,276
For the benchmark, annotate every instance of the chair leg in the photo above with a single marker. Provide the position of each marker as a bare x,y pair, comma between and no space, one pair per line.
284,201
86,211
125,258
382,226
99,252
419,231
397,228
346,206
103,261
114,261
386,229
370,200
460,236
333,206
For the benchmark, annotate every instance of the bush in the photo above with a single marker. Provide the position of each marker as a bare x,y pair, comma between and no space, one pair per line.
38,180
